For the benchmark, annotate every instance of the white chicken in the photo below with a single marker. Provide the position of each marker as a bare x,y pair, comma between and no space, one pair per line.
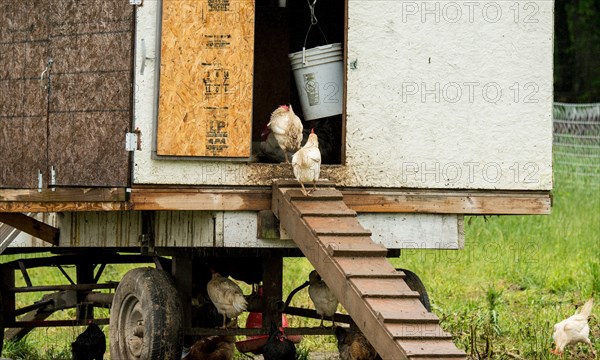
573,330
325,301
306,163
227,297
287,129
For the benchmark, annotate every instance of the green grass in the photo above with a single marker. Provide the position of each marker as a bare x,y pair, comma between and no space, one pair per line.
529,271
499,297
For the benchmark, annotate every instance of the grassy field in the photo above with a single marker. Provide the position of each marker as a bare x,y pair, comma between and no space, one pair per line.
499,297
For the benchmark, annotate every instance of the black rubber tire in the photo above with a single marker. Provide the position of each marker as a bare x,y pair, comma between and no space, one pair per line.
146,317
415,284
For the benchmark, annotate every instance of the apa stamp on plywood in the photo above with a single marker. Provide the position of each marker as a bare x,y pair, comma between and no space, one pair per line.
218,5
216,81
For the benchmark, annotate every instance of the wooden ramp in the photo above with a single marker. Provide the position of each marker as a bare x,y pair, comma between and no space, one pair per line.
357,271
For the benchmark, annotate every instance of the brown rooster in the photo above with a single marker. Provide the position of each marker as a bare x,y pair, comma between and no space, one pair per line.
353,345
227,297
212,348
306,163
287,129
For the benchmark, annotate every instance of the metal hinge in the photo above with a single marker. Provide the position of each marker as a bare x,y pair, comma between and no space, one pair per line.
133,140
135,2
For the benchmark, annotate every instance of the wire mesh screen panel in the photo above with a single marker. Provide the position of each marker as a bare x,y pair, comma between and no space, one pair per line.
577,142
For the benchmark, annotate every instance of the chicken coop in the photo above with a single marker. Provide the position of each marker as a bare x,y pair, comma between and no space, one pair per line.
135,132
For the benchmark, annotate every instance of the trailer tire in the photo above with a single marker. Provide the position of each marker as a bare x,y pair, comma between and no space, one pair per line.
415,284
146,317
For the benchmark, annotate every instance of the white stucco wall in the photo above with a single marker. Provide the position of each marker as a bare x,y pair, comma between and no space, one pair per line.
440,94
460,91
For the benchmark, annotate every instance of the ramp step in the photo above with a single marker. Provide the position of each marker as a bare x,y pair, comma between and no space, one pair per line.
367,267
319,195
341,240
422,317
396,294
386,305
323,208
435,349
336,226
366,250
374,285
415,331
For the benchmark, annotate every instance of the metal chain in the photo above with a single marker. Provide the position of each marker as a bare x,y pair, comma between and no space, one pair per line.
313,21
313,18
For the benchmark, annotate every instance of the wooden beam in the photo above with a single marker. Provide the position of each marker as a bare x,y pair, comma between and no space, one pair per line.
31,226
364,200
476,202
480,202
45,207
201,199
63,194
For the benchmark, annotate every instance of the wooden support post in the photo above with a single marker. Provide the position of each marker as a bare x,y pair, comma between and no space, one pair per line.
272,290
147,235
8,302
85,275
182,274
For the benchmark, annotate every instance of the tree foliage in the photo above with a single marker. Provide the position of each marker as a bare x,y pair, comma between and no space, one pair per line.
577,50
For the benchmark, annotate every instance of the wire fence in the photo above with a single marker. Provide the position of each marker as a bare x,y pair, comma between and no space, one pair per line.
576,145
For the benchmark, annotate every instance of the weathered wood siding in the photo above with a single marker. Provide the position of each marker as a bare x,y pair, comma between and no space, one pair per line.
239,229
186,228
90,102
205,106
23,99
100,229
75,117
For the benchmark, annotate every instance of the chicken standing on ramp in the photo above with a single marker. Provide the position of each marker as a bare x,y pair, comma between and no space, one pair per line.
325,301
306,163
287,129
574,330
227,297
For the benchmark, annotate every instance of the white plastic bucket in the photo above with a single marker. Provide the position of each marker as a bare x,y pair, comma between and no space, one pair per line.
319,80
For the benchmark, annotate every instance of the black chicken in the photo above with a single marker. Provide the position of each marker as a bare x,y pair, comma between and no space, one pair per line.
278,346
353,345
90,344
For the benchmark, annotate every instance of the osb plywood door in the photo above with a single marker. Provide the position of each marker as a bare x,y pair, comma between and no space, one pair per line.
23,98
205,100
90,91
